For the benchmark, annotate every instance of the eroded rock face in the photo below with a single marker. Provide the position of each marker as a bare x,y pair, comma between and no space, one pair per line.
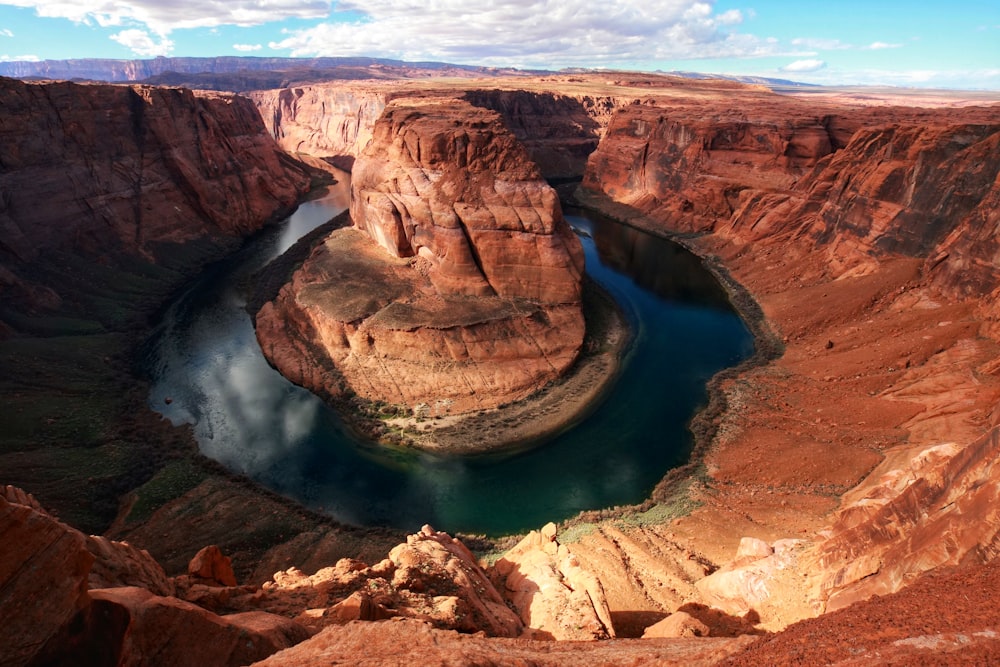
555,595
432,577
859,183
690,161
101,181
865,234
43,578
148,629
329,121
335,121
445,181
459,287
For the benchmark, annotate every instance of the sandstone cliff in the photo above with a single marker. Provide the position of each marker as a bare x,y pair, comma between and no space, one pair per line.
112,193
459,287
866,236
334,121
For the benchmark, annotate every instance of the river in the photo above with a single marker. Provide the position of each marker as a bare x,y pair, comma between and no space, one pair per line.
204,358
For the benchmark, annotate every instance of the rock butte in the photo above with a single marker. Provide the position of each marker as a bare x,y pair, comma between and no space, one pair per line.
857,459
458,288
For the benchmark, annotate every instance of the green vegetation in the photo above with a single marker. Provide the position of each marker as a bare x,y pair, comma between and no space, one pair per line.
172,481
576,532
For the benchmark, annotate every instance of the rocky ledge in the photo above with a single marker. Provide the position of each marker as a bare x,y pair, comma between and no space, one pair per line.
458,288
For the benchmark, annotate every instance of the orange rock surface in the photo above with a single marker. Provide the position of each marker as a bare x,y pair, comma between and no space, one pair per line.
869,438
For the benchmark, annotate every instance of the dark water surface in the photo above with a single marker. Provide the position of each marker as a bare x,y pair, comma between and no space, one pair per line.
204,356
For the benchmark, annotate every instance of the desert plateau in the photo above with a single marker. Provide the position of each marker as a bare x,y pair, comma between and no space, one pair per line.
836,500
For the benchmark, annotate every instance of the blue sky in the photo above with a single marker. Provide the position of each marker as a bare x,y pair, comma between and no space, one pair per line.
915,43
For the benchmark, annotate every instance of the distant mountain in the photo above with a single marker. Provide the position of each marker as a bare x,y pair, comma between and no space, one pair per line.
760,80
99,69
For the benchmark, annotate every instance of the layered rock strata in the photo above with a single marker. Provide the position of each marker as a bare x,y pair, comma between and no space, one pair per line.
335,121
854,230
108,189
457,289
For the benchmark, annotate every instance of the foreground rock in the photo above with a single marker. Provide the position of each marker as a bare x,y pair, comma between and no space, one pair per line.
51,615
404,641
457,290
43,580
556,597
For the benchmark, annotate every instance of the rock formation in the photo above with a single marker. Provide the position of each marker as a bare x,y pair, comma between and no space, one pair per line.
866,235
459,286
859,458
556,597
335,121
110,189
52,616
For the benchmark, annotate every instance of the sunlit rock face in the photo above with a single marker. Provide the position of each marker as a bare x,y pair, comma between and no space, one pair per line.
458,286
446,181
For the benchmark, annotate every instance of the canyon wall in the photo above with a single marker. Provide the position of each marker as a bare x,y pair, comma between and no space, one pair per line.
858,182
111,188
335,120
327,121
459,286
868,237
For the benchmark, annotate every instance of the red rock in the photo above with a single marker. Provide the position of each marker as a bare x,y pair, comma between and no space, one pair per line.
678,624
43,580
142,628
323,120
409,642
447,182
555,595
455,592
476,304
121,564
117,175
211,564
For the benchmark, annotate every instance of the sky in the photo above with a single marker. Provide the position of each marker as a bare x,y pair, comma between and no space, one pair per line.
915,43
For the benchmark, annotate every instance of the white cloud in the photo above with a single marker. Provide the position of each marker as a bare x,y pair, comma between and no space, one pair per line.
531,33
142,43
164,16
247,47
19,59
820,44
810,65
875,46
5,32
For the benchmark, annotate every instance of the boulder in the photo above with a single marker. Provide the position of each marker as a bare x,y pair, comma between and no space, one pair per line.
678,624
44,566
211,565
554,594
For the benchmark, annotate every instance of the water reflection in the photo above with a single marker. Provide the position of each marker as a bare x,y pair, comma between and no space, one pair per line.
205,358
655,264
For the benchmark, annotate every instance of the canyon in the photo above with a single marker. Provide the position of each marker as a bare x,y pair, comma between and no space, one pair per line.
853,457
458,287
